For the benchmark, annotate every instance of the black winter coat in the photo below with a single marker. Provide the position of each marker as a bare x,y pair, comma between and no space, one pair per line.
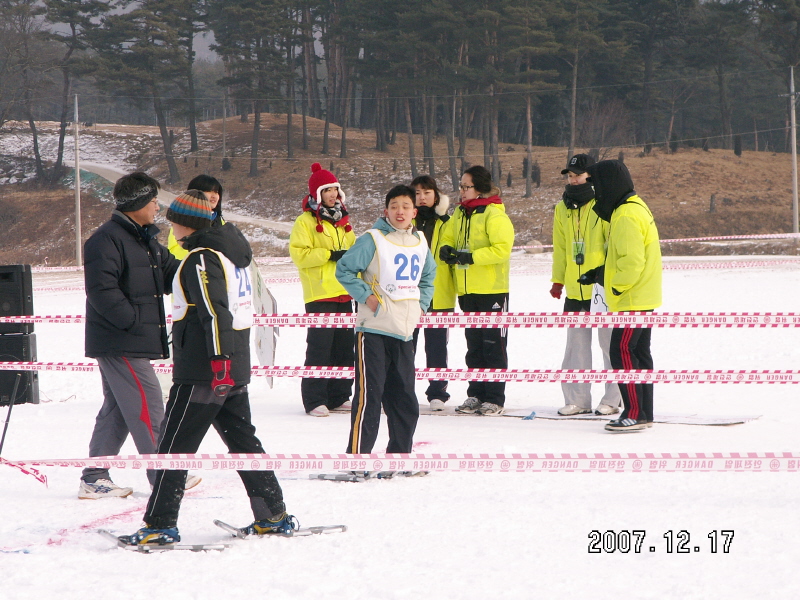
201,335
126,278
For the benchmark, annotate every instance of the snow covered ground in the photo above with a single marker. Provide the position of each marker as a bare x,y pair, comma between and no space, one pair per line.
448,535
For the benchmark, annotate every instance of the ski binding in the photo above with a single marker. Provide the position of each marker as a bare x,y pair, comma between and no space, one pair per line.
239,531
152,548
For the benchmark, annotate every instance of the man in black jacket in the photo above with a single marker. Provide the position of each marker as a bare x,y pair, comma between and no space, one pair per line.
212,315
127,273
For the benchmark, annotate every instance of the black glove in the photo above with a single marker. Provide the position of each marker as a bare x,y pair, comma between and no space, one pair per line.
336,255
448,255
453,257
615,292
593,276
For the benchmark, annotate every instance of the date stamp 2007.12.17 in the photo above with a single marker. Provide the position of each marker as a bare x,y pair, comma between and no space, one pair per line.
680,542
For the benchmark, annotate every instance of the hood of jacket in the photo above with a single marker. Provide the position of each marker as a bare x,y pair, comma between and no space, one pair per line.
226,239
612,186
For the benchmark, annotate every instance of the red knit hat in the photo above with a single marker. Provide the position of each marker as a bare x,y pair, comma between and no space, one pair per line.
321,179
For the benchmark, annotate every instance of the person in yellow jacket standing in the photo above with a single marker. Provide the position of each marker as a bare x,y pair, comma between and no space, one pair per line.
579,237
319,238
431,218
478,241
632,280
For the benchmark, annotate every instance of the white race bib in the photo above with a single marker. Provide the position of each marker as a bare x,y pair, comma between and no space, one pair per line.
400,266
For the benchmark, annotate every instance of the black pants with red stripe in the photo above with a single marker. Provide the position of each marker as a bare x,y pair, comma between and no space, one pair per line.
191,410
384,377
630,349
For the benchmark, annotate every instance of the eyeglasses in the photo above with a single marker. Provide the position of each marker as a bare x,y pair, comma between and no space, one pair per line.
464,188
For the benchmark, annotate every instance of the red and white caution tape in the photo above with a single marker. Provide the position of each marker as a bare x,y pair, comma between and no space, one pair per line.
530,375
27,470
516,320
503,463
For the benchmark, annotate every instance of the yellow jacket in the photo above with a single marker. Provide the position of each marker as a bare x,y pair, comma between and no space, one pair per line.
576,225
444,286
176,249
311,251
633,262
489,235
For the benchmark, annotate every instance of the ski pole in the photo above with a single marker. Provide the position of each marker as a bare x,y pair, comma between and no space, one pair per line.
8,414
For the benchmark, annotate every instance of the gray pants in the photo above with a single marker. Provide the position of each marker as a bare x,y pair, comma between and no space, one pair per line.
132,404
578,355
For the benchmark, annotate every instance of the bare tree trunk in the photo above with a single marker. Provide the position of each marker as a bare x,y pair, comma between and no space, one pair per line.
310,67
486,135
431,136
755,132
495,144
326,131
451,145
467,117
62,129
410,130
349,93
425,131
256,136
37,155
573,108
174,174
529,147
380,139
291,104
194,146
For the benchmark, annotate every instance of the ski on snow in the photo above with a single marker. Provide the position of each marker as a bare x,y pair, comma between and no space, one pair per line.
359,476
318,529
151,548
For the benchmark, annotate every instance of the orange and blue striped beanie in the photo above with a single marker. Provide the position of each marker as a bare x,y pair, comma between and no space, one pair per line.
190,209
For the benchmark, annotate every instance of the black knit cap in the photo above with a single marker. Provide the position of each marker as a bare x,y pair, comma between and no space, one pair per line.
134,191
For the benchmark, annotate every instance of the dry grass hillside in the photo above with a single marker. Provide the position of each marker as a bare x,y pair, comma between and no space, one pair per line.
753,192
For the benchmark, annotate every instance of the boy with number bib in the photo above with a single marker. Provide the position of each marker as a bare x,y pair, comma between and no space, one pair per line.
212,314
395,287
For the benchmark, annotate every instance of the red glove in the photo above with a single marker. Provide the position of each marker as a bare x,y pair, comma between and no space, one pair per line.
555,291
222,382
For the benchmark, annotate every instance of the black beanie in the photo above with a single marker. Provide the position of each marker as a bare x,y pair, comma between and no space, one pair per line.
136,200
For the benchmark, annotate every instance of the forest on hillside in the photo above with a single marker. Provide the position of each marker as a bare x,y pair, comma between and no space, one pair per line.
597,74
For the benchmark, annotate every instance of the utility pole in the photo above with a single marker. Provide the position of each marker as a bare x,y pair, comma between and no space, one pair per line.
224,117
78,250
794,149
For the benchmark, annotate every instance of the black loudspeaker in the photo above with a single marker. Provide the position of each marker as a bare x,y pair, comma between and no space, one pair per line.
18,348
16,297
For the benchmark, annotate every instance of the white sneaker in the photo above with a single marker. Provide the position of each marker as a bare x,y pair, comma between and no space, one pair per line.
192,481
320,411
102,488
606,409
437,405
573,409
489,409
345,408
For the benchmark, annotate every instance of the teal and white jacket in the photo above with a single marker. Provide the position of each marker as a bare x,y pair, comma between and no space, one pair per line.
395,265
